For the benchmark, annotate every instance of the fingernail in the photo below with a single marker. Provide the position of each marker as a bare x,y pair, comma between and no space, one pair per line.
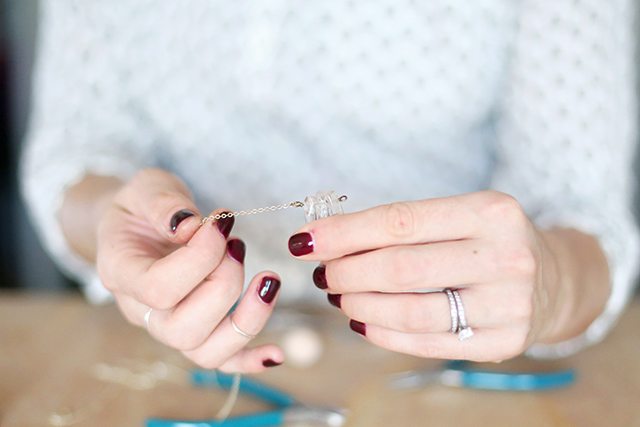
301,244
358,327
269,363
178,217
320,277
237,249
268,289
225,225
334,299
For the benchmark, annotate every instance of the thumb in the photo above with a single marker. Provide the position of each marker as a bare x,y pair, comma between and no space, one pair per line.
165,202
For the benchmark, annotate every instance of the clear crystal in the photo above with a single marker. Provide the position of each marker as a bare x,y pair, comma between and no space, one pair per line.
324,204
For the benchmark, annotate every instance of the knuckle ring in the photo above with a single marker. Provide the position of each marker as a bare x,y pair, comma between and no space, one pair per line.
147,317
240,331
459,323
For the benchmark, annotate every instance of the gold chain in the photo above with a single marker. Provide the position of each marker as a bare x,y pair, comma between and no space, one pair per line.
222,215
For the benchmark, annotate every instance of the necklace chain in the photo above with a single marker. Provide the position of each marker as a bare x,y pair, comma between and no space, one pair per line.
254,211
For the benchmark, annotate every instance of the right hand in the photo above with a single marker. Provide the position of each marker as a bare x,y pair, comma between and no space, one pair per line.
153,253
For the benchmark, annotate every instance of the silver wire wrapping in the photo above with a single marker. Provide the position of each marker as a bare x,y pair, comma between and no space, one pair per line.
273,208
322,205
232,399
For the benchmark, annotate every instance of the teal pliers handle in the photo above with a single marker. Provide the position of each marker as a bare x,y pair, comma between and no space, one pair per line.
263,419
486,380
203,378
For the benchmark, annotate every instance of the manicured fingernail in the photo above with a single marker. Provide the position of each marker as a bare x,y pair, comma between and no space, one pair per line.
334,299
269,363
178,217
320,277
237,249
358,327
301,244
268,289
225,225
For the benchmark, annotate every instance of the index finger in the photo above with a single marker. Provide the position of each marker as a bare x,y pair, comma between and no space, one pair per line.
431,220
161,283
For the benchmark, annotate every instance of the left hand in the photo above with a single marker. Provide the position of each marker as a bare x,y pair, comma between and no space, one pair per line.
480,243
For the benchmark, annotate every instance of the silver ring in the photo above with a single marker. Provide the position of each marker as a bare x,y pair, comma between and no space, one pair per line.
147,316
464,332
453,308
240,331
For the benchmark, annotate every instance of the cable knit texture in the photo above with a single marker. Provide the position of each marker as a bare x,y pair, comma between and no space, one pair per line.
255,103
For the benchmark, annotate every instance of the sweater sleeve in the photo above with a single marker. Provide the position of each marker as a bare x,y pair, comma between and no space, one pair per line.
566,135
81,121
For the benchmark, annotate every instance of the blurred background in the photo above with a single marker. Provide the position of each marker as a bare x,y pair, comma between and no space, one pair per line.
23,262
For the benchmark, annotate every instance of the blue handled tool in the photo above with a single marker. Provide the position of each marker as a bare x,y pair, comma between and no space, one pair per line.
287,409
460,374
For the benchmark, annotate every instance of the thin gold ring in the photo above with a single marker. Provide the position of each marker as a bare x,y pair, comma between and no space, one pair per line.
147,317
240,331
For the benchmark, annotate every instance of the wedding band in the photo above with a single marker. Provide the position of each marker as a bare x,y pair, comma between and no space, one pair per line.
147,316
240,331
453,308
464,330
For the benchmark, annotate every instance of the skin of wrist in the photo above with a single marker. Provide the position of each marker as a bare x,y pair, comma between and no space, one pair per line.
105,200
84,206
550,293
574,283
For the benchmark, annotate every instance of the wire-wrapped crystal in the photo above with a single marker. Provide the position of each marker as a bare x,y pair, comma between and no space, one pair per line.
324,204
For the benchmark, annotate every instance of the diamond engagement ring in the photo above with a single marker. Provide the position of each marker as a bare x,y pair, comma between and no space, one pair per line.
453,308
464,330
459,323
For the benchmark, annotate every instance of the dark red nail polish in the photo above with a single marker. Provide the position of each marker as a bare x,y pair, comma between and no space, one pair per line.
268,289
358,327
269,363
237,249
178,217
320,277
334,299
225,225
301,244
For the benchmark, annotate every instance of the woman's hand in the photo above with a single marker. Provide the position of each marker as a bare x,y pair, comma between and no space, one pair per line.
152,253
517,284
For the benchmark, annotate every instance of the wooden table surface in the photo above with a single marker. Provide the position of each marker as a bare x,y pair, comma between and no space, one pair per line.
50,346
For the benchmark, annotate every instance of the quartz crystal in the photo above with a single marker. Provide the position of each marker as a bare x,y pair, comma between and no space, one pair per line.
324,204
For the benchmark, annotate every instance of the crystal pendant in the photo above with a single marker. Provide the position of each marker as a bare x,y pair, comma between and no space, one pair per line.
324,204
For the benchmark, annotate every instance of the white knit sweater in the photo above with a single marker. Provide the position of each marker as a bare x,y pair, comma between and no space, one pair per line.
254,103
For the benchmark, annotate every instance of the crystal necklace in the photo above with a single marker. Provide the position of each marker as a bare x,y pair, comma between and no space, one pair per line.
324,204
